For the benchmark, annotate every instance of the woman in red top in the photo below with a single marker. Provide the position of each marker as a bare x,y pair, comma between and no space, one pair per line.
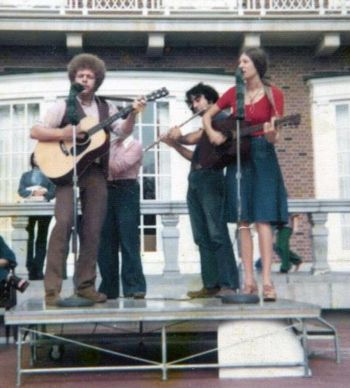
263,194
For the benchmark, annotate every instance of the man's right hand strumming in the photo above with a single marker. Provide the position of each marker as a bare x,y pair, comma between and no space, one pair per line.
68,132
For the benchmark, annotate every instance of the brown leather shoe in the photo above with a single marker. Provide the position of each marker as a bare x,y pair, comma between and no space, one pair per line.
225,291
203,293
269,293
136,295
139,295
93,295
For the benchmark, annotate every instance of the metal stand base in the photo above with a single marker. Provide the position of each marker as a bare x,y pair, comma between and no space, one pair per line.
75,301
240,299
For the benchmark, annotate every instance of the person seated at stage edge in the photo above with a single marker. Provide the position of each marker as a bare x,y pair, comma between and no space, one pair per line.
7,260
35,186
121,225
205,200
89,71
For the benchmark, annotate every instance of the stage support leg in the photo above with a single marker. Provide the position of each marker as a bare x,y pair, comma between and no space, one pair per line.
305,347
19,357
260,348
164,354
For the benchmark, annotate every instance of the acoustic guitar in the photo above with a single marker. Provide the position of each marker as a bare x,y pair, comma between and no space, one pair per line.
226,153
56,159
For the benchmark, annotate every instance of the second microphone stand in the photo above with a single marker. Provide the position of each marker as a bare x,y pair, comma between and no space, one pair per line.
239,116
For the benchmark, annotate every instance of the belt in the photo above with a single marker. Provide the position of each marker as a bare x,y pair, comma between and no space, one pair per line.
196,166
121,182
199,167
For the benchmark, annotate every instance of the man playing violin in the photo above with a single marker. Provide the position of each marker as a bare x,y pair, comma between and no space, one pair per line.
205,200
89,71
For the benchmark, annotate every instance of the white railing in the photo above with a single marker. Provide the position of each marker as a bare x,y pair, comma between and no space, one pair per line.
317,211
181,7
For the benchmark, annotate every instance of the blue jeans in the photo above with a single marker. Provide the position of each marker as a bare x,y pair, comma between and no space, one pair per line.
35,261
206,205
121,231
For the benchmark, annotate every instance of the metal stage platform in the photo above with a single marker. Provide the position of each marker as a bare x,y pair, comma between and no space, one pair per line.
160,317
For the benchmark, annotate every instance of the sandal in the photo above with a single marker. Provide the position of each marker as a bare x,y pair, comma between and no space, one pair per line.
269,293
250,289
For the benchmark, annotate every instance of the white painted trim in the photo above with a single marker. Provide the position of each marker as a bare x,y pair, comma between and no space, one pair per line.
325,94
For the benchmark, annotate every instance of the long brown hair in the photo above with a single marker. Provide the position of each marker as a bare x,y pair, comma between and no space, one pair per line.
260,60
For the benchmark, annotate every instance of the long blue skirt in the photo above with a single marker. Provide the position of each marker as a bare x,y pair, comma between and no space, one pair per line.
263,194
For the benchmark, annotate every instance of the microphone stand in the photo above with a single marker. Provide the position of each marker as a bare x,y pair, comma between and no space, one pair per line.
75,300
240,89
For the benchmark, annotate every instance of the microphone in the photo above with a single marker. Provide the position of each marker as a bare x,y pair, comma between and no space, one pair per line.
72,114
240,89
77,88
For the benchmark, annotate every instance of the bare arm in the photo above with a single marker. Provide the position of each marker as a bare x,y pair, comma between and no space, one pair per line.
191,138
127,125
48,129
270,129
271,132
183,151
42,133
215,137
4,262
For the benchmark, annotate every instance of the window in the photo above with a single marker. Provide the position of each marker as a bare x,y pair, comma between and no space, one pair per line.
342,116
155,180
16,120
15,145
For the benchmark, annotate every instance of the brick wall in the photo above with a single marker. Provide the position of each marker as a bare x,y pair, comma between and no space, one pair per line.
288,66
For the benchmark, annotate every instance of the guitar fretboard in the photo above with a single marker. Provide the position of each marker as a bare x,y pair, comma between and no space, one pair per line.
125,111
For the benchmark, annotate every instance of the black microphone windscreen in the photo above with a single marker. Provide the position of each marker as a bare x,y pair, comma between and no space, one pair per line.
77,87
240,90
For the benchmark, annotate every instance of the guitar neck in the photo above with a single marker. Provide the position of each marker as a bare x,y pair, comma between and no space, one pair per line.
245,131
125,111
109,120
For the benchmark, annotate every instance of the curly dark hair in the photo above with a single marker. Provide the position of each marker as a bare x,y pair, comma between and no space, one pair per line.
87,61
201,89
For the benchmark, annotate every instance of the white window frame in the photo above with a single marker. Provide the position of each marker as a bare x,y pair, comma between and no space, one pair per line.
326,94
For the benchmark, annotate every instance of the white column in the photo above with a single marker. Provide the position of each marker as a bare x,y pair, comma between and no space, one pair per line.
19,244
319,235
170,236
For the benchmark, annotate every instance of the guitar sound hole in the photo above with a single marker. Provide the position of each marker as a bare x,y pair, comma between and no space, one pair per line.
82,138
80,148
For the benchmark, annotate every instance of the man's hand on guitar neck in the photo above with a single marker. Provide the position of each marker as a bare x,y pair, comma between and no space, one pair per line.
127,125
139,104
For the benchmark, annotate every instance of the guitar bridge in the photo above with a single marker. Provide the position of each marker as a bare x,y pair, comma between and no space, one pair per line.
64,148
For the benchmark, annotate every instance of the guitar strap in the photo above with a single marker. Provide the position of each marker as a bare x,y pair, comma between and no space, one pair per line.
79,114
103,111
269,94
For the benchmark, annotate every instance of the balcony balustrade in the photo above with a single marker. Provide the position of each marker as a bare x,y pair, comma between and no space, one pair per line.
316,210
179,8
